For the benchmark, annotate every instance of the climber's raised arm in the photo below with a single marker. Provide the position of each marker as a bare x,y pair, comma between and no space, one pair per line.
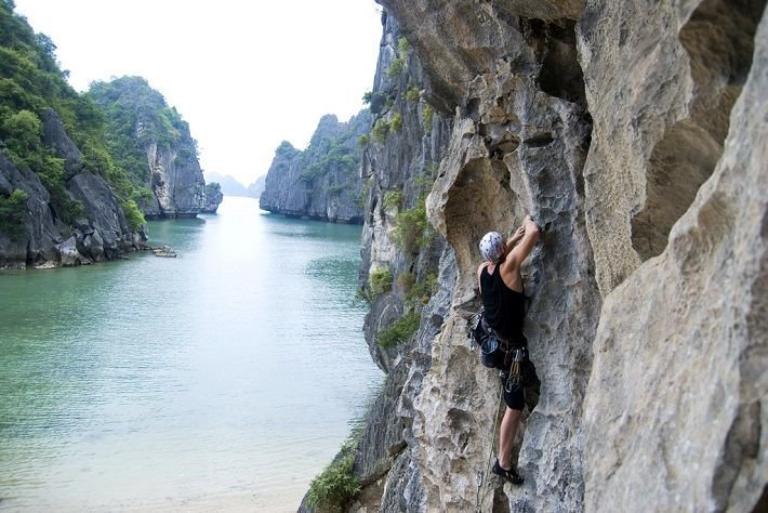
521,251
515,238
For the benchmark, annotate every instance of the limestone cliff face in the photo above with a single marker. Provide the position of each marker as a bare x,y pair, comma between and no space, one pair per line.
321,182
176,182
213,198
100,231
635,133
153,142
678,385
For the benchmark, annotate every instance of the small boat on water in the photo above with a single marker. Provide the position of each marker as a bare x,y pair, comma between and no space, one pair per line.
164,251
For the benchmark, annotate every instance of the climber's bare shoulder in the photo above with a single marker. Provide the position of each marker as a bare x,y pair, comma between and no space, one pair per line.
510,275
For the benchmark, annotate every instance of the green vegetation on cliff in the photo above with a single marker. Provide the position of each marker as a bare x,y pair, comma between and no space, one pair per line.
137,116
336,485
380,130
426,116
380,281
413,94
417,292
31,82
400,330
12,213
411,227
337,156
393,199
395,67
396,122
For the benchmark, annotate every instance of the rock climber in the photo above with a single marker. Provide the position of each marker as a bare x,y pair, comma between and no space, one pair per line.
504,303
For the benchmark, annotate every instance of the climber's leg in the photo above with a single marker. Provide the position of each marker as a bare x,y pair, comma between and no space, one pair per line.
509,425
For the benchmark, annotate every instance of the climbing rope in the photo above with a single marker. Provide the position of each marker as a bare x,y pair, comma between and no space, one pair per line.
483,475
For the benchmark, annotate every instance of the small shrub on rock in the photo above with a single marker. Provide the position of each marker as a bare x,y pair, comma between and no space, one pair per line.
396,122
12,209
392,199
396,67
133,214
380,130
410,232
422,290
380,281
413,94
403,47
426,116
399,331
336,485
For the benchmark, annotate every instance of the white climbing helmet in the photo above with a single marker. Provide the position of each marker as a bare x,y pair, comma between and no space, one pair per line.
492,246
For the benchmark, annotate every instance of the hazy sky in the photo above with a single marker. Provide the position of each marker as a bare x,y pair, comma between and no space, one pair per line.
244,74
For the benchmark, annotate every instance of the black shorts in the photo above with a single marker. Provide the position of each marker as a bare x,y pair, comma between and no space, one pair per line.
514,396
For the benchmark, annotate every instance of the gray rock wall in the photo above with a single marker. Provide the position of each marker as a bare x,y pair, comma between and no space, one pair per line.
40,231
675,413
635,133
102,232
404,163
176,180
213,198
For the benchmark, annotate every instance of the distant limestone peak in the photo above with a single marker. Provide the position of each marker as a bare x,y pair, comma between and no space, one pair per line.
322,182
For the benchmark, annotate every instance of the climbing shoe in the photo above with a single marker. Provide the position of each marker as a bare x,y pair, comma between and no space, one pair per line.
510,475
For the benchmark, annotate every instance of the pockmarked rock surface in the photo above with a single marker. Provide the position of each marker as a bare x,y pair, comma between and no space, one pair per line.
661,79
635,134
677,406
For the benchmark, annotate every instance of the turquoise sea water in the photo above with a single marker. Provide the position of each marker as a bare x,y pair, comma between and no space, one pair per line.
222,380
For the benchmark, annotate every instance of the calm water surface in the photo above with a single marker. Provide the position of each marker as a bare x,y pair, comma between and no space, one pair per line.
219,381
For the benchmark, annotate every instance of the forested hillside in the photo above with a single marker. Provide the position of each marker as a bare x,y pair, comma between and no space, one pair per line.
80,173
33,87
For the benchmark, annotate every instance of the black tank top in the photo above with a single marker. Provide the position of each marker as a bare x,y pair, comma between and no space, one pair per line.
503,308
